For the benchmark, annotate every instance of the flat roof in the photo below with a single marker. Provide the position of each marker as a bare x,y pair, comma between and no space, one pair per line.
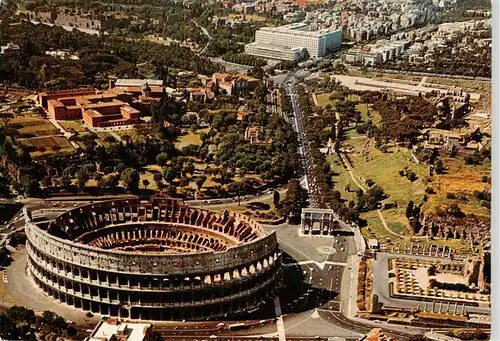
300,29
134,331
274,47
138,82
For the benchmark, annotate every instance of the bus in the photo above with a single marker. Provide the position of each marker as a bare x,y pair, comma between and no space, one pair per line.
237,326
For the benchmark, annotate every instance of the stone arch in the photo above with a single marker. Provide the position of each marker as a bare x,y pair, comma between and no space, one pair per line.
207,280
259,266
236,274
264,263
227,276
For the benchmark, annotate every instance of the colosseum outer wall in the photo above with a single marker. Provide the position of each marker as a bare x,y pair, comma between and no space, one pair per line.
87,256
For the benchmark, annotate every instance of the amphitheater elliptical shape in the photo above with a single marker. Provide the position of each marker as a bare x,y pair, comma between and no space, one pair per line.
156,259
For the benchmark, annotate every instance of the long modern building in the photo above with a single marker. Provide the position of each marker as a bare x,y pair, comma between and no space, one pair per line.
288,42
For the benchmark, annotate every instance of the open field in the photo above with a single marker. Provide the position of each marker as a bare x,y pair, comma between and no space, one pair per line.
149,177
72,126
383,169
375,229
190,138
324,99
341,178
461,180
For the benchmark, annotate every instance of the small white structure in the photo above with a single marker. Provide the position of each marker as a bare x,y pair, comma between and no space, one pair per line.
114,330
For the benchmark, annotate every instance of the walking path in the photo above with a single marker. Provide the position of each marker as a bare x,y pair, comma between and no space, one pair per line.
382,219
279,324
422,82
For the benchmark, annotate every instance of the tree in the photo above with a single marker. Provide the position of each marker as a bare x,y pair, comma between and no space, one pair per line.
161,159
112,181
145,183
82,176
409,209
276,199
438,166
130,179
411,176
158,179
455,210
200,180
66,182
295,199
170,173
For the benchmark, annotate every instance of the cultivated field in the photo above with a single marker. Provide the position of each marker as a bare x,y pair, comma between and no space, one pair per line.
46,145
33,125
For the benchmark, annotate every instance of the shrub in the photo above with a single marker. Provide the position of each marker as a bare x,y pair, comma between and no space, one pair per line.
450,196
430,190
411,176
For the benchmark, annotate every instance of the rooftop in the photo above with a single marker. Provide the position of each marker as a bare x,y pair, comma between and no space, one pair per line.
105,330
300,29
274,47
138,82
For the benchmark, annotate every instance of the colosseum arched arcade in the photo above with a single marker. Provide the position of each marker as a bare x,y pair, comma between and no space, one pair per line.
156,259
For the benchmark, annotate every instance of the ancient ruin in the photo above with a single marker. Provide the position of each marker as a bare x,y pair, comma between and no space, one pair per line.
156,260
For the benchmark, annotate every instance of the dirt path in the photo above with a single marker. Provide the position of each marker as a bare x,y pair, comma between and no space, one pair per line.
382,219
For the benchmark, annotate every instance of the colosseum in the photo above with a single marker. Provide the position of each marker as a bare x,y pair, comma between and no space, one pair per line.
155,259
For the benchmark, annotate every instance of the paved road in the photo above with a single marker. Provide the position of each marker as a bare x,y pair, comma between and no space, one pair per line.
205,32
304,148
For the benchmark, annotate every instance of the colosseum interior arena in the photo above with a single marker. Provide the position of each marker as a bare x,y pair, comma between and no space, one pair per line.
156,260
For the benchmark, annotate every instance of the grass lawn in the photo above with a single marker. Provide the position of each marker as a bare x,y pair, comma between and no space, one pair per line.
190,138
383,169
72,126
376,230
147,176
341,179
357,144
324,99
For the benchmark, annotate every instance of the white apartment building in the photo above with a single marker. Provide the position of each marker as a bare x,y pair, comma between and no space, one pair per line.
285,40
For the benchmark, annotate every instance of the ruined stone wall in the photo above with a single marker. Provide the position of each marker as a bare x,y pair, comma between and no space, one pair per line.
88,256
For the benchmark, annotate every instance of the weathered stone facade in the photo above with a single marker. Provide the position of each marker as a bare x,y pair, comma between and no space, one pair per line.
82,21
155,260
